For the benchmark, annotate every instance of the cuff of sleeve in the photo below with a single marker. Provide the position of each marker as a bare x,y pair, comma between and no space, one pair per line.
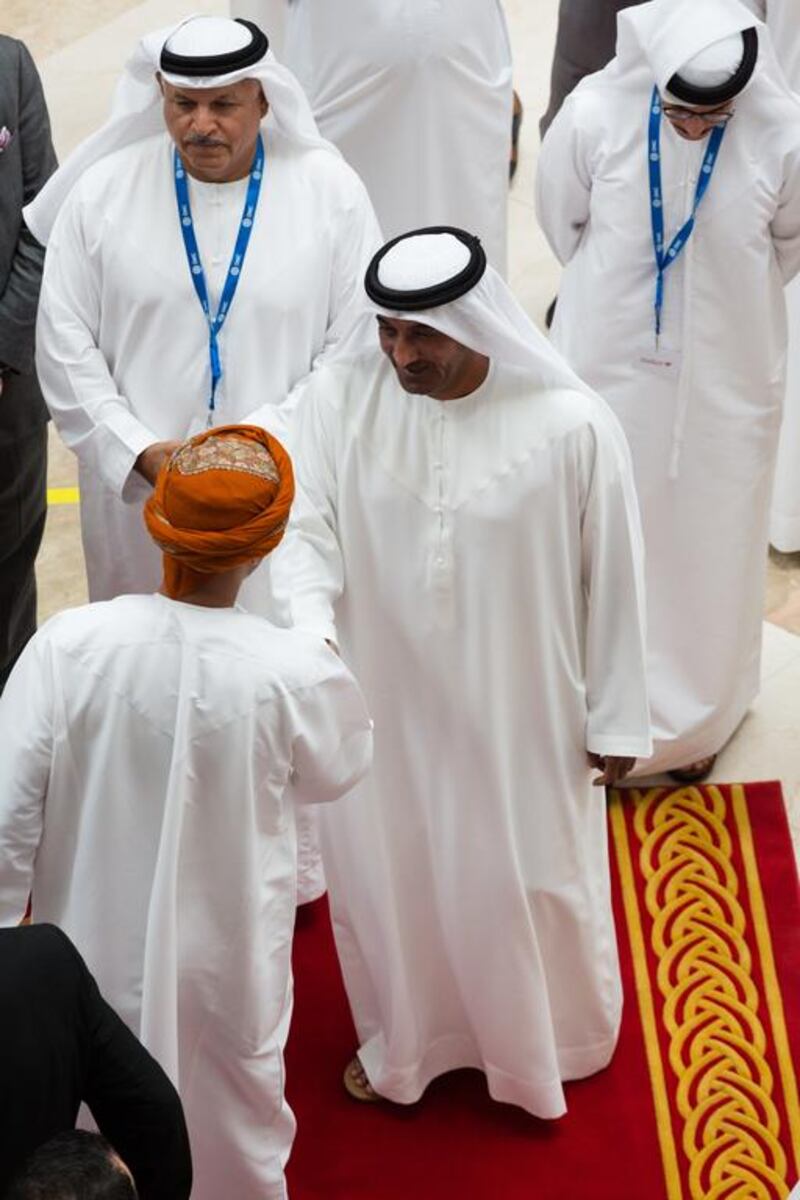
619,746
128,438
268,417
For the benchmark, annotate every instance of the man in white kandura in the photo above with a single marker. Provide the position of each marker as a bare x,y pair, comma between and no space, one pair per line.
199,250
783,21
193,275
669,186
147,797
481,571
417,95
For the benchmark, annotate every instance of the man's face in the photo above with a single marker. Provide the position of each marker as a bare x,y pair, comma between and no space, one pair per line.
215,129
429,363
695,121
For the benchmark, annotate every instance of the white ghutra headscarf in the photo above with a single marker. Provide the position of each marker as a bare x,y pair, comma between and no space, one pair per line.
136,111
485,315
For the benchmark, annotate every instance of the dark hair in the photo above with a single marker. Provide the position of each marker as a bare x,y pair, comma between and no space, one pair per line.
72,1166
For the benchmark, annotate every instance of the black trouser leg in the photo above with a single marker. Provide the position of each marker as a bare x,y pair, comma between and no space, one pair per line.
23,507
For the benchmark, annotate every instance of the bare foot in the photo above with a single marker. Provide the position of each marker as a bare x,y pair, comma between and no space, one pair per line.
357,1084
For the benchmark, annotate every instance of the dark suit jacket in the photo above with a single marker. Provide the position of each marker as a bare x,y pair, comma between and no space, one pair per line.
25,165
60,1043
586,40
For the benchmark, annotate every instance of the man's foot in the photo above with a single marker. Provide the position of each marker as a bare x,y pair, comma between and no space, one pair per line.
516,121
695,771
356,1083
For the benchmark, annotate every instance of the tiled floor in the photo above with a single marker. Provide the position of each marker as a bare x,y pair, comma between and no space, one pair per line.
80,46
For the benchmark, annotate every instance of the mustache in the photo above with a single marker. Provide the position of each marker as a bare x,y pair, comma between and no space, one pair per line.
417,367
201,139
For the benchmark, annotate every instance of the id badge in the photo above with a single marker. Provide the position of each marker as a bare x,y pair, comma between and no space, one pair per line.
663,361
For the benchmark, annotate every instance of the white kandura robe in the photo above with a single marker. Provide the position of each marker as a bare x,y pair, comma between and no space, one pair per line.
152,756
487,552
703,439
417,95
122,342
783,19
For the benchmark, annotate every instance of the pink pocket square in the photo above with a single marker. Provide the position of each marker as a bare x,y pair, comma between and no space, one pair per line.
6,138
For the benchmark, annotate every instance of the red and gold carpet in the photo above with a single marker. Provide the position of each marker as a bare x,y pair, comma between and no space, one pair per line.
701,1100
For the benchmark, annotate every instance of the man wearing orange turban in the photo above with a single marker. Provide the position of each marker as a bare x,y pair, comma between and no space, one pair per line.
221,502
172,735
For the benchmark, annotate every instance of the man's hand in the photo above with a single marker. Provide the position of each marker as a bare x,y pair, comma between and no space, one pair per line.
148,464
613,769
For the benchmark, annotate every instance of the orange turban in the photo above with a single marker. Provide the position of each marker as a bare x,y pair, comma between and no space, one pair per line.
220,500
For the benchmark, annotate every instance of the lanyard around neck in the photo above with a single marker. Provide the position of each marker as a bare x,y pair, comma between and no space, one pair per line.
216,322
666,255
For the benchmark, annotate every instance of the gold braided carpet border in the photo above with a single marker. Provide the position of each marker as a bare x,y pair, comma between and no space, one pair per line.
724,1086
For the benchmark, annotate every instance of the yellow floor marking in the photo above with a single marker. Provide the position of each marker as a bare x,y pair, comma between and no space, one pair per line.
63,495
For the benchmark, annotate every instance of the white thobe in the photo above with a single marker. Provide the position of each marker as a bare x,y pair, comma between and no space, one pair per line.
481,574
783,19
152,756
122,342
704,432
417,94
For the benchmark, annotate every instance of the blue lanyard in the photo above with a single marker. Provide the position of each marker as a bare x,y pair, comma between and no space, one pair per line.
666,256
216,322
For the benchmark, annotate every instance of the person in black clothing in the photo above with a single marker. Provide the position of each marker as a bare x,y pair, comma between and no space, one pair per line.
60,1044
74,1166
586,40
27,159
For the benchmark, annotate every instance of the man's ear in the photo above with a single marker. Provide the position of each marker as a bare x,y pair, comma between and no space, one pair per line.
263,105
160,83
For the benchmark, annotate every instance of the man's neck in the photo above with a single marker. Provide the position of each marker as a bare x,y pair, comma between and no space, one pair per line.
210,596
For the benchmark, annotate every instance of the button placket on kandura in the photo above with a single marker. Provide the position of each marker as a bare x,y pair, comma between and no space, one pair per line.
219,223
443,564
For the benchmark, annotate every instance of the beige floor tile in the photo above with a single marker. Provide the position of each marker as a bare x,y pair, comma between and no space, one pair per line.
62,468
45,28
79,99
783,590
767,745
780,649
60,568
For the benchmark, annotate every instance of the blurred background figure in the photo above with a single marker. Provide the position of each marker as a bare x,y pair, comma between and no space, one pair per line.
671,306
62,1044
417,95
27,159
586,39
783,19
